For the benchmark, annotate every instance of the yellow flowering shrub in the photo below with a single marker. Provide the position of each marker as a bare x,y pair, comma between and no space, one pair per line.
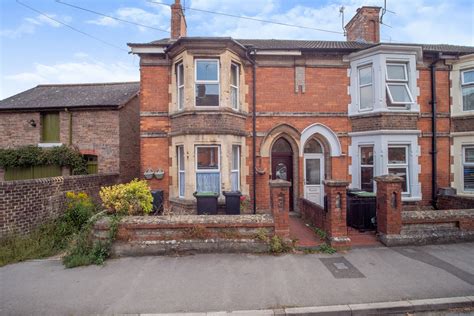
133,198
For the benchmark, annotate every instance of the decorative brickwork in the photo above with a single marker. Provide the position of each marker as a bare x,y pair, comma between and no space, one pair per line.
463,124
336,213
384,121
279,197
25,204
208,122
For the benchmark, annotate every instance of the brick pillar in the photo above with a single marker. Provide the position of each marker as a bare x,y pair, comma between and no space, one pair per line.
389,207
280,206
336,213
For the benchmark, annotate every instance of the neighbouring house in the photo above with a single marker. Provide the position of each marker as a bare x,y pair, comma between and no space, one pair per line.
462,126
100,119
220,114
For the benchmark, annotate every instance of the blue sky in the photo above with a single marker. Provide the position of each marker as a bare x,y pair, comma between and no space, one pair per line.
35,50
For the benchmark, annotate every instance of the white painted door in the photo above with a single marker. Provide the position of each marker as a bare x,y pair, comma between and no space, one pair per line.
313,178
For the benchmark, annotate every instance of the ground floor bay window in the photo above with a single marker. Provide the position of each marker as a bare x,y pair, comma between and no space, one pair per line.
208,170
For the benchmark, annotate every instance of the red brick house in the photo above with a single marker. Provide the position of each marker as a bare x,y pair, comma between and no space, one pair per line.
101,120
218,113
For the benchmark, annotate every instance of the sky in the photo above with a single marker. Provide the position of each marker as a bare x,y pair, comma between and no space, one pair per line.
36,50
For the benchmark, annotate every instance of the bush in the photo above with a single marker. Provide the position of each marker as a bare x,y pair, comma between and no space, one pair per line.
79,209
133,198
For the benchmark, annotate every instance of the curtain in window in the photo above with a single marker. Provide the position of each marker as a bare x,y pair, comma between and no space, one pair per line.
208,182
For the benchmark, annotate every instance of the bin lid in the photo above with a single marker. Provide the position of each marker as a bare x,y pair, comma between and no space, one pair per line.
232,193
364,194
206,194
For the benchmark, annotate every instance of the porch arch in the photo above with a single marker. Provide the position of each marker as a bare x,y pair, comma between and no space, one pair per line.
327,133
291,134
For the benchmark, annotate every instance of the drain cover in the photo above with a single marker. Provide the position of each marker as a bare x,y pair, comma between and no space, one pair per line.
341,268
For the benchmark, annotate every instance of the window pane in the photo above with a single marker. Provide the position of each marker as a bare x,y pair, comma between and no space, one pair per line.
399,93
366,179
180,74
366,97
208,182
181,157
469,154
207,158
234,97
396,72
234,180
281,146
313,147
235,158
206,70
313,171
400,172
180,97
182,181
234,75
365,75
397,155
468,98
469,178
50,127
366,155
468,77
207,95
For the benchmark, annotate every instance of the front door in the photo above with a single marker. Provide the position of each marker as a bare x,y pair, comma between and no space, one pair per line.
282,164
314,174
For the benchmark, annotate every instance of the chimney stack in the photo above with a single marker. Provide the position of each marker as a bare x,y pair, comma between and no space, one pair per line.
364,26
178,21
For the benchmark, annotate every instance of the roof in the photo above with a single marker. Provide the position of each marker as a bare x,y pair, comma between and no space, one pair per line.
274,44
88,95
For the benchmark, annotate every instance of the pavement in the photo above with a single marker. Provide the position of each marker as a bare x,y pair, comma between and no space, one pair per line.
236,282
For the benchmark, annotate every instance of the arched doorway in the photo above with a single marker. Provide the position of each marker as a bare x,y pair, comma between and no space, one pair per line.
313,154
282,164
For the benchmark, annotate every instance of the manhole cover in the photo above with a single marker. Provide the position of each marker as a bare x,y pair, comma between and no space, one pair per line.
341,268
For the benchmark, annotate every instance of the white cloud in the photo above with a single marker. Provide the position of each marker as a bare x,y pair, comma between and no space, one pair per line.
29,25
68,72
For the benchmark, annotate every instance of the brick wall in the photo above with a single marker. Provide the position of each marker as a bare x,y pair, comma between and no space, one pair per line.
313,213
384,121
129,126
25,204
15,129
463,124
208,122
451,202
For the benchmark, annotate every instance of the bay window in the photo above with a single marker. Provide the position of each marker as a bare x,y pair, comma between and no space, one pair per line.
398,92
207,82
180,85
467,86
398,164
235,169
366,91
234,86
181,171
468,168
208,175
367,168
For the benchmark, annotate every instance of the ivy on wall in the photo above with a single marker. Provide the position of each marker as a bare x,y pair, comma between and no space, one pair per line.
28,156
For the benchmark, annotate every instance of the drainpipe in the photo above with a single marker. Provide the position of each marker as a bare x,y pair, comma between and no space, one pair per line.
254,125
434,147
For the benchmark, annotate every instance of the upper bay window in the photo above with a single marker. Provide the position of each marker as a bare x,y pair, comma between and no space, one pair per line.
180,85
207,82
398,91
234,86
366,90
467,85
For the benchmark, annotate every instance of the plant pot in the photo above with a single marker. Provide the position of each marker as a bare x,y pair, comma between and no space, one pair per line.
159,174
148,174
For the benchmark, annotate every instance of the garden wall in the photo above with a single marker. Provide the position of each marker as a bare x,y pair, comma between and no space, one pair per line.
25,204
158,235
450,202
313,213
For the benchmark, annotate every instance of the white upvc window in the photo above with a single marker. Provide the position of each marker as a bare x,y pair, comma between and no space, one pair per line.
207,89
208,171
468,168
181,172
234,85
467,87
398,164
366,88
398,92
180,85
235,168
366,160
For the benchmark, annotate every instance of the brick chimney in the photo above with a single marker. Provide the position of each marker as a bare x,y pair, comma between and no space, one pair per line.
178,21
364,26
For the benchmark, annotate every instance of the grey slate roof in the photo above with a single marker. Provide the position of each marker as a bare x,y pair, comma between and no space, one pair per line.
325,45
56,96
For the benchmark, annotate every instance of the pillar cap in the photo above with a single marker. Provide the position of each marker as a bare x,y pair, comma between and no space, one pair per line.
388,178
336,183
279,183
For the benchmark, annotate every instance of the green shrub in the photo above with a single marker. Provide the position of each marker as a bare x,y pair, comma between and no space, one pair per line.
278,245
325,248
133,198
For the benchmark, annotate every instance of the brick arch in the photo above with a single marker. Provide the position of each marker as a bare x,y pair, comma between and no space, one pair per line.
288,132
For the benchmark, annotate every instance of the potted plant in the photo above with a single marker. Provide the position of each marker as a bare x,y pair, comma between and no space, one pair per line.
159,174
148,174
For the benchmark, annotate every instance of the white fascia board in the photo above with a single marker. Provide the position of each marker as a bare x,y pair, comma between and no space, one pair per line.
148,50
279,52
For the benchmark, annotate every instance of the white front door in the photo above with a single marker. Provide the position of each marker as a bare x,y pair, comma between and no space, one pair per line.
313,178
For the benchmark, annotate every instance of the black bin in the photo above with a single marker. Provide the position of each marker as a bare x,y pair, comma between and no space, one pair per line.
157,201
232,202
361,209
206,202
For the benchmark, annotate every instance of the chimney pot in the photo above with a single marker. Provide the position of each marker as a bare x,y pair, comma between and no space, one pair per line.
364,26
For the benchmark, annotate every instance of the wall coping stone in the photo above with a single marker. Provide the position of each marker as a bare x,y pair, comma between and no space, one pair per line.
436,215
388,178
57,179
336,183
279,183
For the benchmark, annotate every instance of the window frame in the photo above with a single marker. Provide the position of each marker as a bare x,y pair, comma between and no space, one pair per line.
178,86
43,127
398,82
465,85
218,170
405,165
359,68
464,164
232,170
196,82
179,151
236,87
397,64
365,165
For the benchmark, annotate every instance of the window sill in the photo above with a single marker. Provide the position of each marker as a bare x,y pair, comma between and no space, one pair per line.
410,198
49,145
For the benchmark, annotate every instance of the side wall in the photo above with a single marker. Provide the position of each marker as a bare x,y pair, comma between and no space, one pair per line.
25,204
129,124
